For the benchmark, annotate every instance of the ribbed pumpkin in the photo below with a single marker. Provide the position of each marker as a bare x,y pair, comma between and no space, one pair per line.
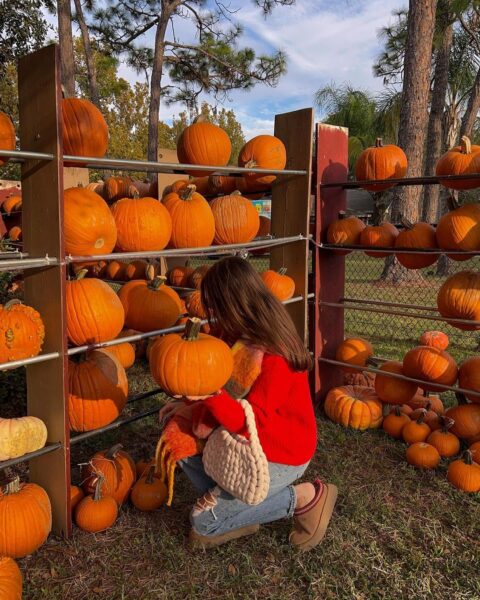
459,298
150,305
365,378
446,442
93,269
150,492
94,311
10,579
431,365
436,339
124,353
262,152
382,236
416,430
96,512
20,436
380,162
26,517
469,377
422,455
464,474
201,184
178,276
193,225
418,236
192,364
459,229
142,223
236,219
345,231
21,331
466,419
117,469
7,135
85,132
88,223
458,161
392,390
116,188
116,270
195,278
219,185
475,450
76,494
357,407
430,417
394,423
203,143
420,400
280,285
98,390
194,305
355,351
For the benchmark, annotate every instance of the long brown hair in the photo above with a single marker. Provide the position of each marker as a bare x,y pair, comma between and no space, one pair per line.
239,305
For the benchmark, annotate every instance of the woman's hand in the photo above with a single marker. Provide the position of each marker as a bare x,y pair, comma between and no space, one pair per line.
167,411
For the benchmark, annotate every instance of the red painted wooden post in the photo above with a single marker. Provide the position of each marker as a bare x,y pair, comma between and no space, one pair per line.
327,325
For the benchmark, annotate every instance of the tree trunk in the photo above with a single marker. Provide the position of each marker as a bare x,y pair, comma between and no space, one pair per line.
89,57
473,107
396,274
415,97
434,148
66,47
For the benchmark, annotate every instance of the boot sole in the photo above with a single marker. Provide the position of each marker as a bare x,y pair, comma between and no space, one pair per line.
210,541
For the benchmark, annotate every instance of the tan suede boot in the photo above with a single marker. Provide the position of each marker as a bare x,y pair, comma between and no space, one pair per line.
209,541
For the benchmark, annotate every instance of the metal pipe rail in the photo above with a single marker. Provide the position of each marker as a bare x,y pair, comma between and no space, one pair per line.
426,180
14,364
390,250
440,386
27,263
25,457
144,395
394,304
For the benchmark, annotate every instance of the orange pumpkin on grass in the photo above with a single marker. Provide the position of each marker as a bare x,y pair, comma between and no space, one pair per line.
280,285
203,143
355,351
459,160
149,492
459,298
356,407
390,389
22,331
422,455
116,468
469,377
464,473
431,365
85,131
446,442
96,512
380,162
262,152
416,430
466,419
394,423
236,219
418,236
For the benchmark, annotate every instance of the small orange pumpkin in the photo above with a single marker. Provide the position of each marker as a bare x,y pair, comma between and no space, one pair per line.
262,152
380,162
97,511
203,143
280,285
422,455
117,470
136,270
116,270
431,365
355,351
464,474
179,276
430,417
458,161
21,331
416,431
236,219
420,400
346,231
142,466
394,423
150,492
418,236
11,580
7,135
390,389
459,298
124,353
446,442
357,407
436,339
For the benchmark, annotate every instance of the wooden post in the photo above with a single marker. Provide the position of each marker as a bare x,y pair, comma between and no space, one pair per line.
327,327
291,207
42,208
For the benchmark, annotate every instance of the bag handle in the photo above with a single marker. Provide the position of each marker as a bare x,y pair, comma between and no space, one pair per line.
250,422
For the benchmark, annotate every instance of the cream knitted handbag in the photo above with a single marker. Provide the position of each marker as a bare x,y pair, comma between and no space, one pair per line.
237,464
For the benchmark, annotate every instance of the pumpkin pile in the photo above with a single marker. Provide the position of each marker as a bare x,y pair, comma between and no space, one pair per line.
11,213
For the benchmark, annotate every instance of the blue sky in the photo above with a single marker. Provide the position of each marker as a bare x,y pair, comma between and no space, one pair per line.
324,41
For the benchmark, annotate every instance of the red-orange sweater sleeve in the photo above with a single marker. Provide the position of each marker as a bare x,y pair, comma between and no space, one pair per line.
227,411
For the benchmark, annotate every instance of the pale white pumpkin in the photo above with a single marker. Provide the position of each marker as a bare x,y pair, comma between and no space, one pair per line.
20,436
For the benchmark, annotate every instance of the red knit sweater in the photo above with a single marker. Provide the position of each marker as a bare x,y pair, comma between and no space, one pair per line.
281,402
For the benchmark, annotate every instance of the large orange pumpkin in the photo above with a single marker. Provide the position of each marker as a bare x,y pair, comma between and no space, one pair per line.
26,517
204,143
280,285
117,468
94,312
392,390
355,351
466,419
262,152
88,223
236,219
116,188
85,131
21,331
459,229
352,406
346,231
11,580
458,161
142,223
469,377
418,236
382,236
459,298
380,162
431,365
7,135
193,225
192,364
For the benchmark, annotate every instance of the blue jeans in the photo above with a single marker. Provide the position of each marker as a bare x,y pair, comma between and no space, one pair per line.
230,513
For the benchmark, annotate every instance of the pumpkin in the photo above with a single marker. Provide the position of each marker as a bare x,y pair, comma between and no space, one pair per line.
219,185
203,143
93,269
416,431
179,276
464,474
7,135
139,345
365,378
195,278
116,470
469,377
466,419
76,494
136,270
96,186
345,231
458,161
150,305
94,311
98,390
201,184
422,455
431,365
382,236
352,406
236,219
96,512
143,224
459,229
150,492
430,417
436,339
20,436
459,298
142,466
21,331
193,225
116,270
11,580
194,305
124,353
445,442
262,152
421,401
394,423
88,223
403,408
116,188
418,236
390,389
192,364
355,351
15,234
12,204
264,228
280,285
475,450
85,132
380,162
26,517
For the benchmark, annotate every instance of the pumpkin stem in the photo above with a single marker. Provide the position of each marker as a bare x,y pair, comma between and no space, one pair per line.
133,192
447,423
236,193
12,486
406,223
466,145
192,329
97,493
113,451
378,143
251,164
14,301
461,399
157,282
150,474
81,274
150,272
282,271
188,192
397,411
422,416
200,119
467,457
